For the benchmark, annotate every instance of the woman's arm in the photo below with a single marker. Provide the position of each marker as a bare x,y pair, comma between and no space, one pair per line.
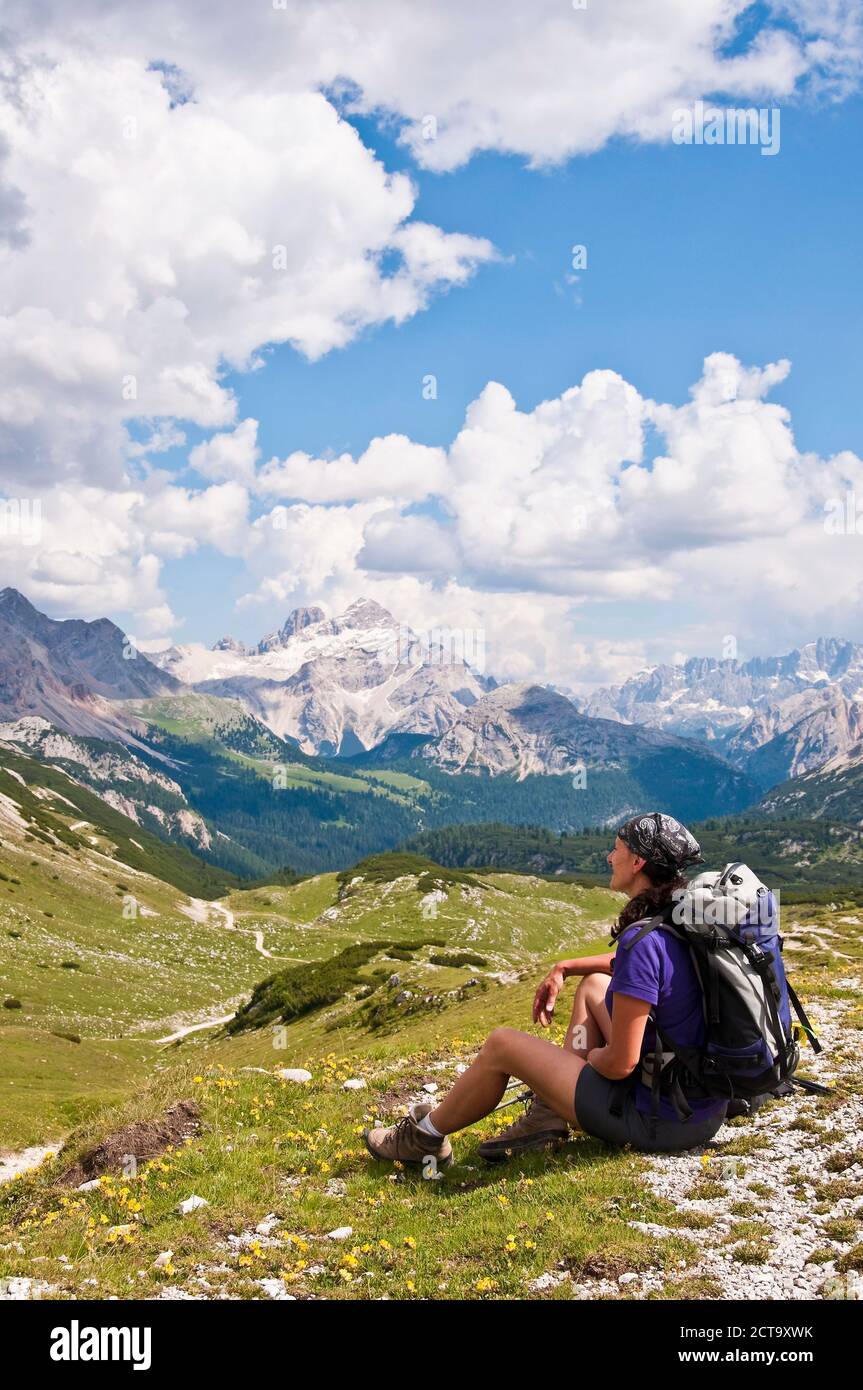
546,994
586,965
622,1052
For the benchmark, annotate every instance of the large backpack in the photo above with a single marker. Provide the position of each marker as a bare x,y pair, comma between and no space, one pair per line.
730,922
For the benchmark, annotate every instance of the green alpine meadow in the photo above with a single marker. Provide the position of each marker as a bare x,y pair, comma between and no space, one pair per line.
160,1047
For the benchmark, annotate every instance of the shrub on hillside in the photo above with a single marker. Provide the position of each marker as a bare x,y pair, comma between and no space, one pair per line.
387,1012
457,958
297,990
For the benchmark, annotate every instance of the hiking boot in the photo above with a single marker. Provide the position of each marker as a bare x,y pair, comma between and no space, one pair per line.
406,1142
538,1128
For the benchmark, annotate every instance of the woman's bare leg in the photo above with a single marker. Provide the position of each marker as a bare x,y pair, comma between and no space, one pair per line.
547,1069
550,1071
589,1015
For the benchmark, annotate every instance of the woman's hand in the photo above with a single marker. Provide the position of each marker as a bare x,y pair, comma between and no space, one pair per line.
546,994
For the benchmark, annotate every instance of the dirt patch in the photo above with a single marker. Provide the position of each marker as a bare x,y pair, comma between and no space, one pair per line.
400,1094
609,1265
143,1140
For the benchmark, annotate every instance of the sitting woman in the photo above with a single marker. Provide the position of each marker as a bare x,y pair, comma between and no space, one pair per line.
591,1082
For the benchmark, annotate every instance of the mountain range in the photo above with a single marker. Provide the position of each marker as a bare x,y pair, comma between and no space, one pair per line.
337,736
775,716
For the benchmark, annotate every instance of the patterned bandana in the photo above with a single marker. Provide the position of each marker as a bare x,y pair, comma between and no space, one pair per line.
661,840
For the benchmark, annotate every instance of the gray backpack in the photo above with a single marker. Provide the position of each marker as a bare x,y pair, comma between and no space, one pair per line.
730,922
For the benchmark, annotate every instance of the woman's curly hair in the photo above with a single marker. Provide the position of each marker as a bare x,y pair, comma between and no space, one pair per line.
664,884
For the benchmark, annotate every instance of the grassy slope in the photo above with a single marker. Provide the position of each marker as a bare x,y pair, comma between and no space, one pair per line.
268,1146
93,948
212,720
53,802
295,1151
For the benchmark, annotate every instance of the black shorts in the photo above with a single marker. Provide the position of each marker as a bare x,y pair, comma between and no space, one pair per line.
593,1096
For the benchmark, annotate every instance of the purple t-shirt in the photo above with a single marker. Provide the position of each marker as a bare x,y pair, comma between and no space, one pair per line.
658,969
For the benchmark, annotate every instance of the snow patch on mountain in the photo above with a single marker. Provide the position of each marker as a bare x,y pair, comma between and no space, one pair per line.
342,684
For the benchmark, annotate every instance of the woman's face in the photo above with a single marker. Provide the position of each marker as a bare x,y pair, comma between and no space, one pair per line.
625,866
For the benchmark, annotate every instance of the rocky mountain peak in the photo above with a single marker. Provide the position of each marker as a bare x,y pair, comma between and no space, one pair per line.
229,644
71,671
296,621
363,613
17,609
299,618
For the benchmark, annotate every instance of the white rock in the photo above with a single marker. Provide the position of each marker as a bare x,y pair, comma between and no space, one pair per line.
550,1280
19,1289
294,1074
430,1087
91,1185
460,1067
355,1083
192,1204
268,1225
627,1278
162,1259
341,1233
276,1289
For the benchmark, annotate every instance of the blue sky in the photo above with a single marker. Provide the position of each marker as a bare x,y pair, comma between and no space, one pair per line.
690,250
637,391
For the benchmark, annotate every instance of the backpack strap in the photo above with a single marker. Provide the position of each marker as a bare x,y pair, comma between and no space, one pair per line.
728,871
814,1086
676,1092
654,1083
649,926
678,1097
801,1014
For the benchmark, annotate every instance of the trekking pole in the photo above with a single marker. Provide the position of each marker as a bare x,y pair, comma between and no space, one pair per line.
811,1085
505,1104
